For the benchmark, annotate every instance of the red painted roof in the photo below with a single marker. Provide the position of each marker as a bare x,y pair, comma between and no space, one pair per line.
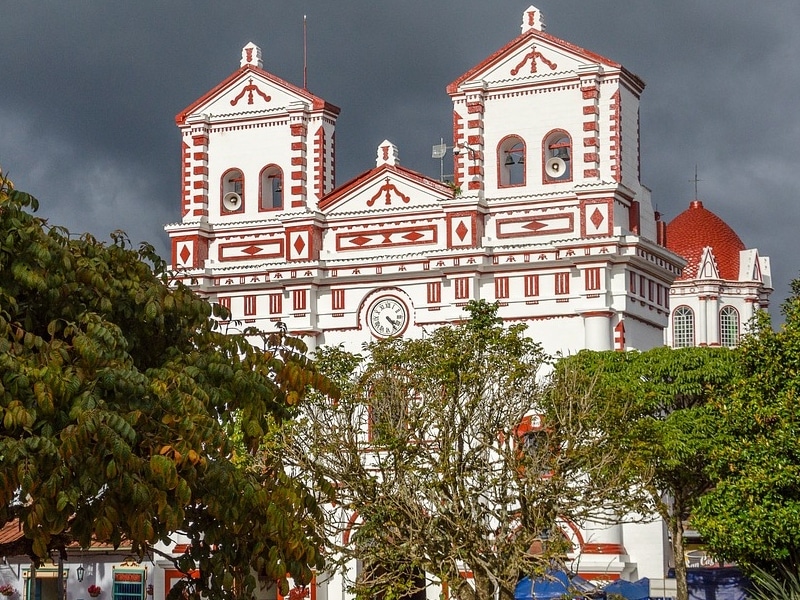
697,228
11,532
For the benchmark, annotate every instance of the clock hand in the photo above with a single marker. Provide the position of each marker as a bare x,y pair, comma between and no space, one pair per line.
391,321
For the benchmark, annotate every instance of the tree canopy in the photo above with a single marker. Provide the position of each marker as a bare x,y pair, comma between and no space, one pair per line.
660,414
124,409
752,516
448,454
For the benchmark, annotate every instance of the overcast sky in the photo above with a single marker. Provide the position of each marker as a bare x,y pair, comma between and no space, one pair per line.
90,90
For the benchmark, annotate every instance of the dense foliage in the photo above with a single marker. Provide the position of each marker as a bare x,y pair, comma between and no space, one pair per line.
752,516
123,406
662,418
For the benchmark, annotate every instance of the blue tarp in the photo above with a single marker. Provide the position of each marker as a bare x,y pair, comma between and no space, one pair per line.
632,590
725,583
554,585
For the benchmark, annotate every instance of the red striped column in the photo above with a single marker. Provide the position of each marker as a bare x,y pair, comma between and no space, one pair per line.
590,93
196,180
298,123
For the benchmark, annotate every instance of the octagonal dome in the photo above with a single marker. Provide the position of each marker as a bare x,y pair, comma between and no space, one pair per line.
696,228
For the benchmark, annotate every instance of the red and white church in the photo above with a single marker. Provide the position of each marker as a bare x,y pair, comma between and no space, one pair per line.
546,215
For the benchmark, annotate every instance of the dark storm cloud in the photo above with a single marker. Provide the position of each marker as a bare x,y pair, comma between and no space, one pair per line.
91,90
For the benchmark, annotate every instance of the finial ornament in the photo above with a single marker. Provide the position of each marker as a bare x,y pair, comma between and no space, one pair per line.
251,55
532,19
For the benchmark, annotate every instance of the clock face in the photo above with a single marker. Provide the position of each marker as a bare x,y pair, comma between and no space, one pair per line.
387,316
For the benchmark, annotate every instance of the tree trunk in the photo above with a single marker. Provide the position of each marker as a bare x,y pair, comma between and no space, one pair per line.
676,531
484,587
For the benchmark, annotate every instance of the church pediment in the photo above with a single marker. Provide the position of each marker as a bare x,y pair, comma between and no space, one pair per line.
387,188
251,91
388,210
533,57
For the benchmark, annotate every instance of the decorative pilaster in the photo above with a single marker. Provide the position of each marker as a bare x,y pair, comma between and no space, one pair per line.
320,171
196,183
616,137
472,159
298,123
590,92
702,322
712,320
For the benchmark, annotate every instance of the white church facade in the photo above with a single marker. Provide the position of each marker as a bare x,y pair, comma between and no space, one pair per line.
546,215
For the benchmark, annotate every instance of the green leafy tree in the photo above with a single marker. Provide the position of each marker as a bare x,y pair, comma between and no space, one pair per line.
752,516
435,466
661,416
120,406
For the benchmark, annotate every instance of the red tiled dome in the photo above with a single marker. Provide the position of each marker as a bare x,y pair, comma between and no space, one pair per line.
695,229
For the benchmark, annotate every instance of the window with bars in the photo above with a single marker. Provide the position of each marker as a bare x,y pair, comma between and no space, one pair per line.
501,287
299,299
728,326
337,299
562,284
434,292
275,304
682,327
128,585
462,288
592,278
250,305
531,285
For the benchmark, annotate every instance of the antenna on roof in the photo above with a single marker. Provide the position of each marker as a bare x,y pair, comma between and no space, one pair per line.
438,151
305,55
695,180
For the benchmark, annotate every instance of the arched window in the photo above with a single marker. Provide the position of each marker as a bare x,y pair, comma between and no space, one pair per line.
232,191
682,327
728,326
557,157
510,161
271,188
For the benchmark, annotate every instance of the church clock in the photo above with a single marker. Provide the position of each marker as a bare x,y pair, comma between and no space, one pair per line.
387,316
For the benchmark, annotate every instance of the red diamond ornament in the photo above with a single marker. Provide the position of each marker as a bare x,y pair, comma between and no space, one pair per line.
413,236
360,240
597,218
462,231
